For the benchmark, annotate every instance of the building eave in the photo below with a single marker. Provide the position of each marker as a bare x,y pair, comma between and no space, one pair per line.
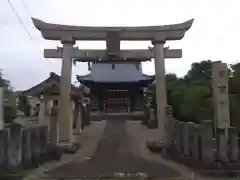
88,78
54,79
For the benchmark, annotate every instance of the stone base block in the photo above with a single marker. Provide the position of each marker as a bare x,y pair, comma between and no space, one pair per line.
215,169
77,132
224,166
54,152
152,124
6,175
69,148
220,173
155,146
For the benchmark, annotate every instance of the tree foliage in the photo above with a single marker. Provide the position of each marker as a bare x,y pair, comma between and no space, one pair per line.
191,96
4,82
187,95
10,98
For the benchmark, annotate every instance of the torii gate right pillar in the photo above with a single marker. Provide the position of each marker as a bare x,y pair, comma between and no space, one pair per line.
161,95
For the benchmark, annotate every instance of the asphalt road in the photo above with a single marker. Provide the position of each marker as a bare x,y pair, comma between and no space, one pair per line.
114,154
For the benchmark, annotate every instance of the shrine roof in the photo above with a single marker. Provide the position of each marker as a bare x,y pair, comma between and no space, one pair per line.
119,72
52,81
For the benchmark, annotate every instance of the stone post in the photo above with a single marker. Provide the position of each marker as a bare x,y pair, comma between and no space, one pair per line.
43,139
26,146
220,96
181,136
161,96
170,126
233,144
194,142
14,153
1,108
222,145
48,106
35,143
41,114
54,126
208,144
79,117
152,123
186,138
65,106
191,137
4,134
179,140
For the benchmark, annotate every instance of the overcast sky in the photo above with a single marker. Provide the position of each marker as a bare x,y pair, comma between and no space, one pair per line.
215,33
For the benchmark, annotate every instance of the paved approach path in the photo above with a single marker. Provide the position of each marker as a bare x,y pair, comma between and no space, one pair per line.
116,146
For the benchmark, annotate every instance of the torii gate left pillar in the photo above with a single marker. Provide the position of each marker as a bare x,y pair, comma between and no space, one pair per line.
64,112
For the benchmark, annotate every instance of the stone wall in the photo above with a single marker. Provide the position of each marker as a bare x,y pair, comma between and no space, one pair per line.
196,142
21,146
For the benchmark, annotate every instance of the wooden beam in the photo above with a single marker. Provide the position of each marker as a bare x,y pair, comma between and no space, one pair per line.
91,55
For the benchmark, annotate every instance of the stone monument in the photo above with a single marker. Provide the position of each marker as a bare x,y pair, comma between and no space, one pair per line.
220,96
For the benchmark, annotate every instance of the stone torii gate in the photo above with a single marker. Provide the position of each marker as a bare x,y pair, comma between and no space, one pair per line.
112,35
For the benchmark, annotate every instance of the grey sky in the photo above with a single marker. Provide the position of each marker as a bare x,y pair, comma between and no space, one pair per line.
214,34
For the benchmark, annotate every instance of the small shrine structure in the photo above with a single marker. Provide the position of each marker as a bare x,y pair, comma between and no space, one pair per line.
48,93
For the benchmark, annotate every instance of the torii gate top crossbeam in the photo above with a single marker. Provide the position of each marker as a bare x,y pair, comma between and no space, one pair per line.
153,33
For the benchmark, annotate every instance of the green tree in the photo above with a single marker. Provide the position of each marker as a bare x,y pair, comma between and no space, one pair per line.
234,81
191,96
10,98
234,95
200,71
187,95
4,82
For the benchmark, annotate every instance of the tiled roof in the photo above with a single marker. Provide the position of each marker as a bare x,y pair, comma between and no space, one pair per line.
54,79
119,72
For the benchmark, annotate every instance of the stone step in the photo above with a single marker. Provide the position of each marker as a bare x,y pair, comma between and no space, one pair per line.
220,173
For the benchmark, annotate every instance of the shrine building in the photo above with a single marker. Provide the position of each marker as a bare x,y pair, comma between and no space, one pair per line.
116,86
